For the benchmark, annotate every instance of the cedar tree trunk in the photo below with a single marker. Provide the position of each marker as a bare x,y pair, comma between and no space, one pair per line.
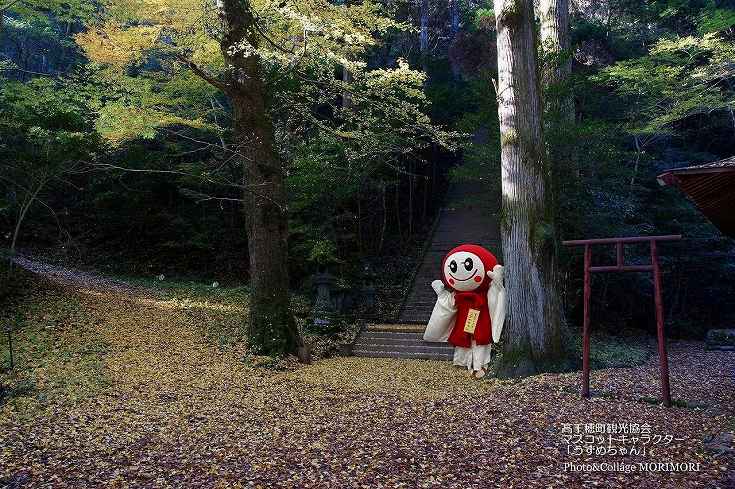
554,31
424,29
533,339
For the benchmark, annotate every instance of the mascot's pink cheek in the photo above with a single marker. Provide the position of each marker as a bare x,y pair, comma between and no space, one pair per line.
478,279
451,281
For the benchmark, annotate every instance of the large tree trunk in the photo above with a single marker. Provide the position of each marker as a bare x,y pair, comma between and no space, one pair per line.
453,18
533,339
424,29
453,31
272,328
554,31
558,94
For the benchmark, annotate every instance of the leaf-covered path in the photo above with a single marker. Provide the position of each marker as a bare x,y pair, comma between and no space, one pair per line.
73,277
137,391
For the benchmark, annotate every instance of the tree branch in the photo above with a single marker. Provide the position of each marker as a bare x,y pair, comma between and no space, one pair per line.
7,6
246,188
270,41
109,166
218,84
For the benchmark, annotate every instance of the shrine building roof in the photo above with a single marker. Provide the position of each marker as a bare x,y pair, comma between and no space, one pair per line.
712,189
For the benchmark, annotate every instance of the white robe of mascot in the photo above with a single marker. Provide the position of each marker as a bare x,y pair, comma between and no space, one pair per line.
470,307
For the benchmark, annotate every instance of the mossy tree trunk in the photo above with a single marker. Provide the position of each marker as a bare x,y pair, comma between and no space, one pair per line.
558,94
554,33
533,332
272,328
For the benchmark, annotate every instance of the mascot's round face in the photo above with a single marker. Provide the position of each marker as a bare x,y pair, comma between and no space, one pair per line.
464,271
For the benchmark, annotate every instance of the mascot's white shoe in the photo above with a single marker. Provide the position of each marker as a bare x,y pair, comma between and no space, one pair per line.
480,373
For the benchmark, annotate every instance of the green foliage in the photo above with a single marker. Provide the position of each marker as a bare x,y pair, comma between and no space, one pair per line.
349,134
653,90
62,11
680,78
138,107
482,17
482,154
384,119
47,136
715,20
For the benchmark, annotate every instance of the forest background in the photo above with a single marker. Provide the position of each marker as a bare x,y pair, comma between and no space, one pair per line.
120,161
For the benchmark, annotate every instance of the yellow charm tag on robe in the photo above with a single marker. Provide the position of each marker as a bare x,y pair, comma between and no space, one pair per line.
472,316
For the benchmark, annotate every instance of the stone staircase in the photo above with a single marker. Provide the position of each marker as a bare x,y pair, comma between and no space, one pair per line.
399,341
467,217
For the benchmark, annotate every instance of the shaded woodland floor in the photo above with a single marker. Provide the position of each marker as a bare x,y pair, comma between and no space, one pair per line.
137,389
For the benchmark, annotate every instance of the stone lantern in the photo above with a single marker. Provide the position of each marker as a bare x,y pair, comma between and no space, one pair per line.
323,305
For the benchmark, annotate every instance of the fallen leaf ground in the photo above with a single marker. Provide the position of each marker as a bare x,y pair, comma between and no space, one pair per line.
141,390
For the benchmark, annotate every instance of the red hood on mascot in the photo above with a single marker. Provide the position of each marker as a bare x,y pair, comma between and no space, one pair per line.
468,295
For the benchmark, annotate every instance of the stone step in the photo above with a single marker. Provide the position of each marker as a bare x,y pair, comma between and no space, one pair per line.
386,338
399,341
417,301
419,318
417,315
417,334
468,225
393,344
405,349
423,281
419,310
405,355
431,270
425,305
396,328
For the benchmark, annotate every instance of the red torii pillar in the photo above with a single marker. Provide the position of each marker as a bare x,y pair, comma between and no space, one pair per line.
621,267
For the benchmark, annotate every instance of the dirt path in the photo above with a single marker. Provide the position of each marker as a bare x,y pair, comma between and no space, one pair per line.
76,278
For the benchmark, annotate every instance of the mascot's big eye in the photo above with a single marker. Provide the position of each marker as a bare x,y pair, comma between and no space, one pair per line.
468,264
453,266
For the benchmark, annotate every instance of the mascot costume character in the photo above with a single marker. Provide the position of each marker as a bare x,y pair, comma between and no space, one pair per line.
470,306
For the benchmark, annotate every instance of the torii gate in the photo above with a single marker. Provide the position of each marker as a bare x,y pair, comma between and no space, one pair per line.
621,267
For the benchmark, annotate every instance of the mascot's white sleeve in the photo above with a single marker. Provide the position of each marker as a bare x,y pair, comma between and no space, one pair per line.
496,300
443,316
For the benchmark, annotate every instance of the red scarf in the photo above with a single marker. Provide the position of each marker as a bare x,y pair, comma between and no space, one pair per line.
464,301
